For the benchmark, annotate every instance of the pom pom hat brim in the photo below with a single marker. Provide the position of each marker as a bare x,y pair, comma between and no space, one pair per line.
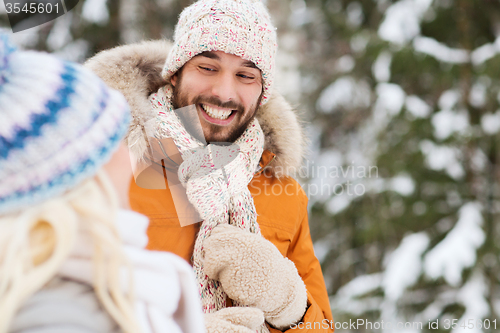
239,27
59,124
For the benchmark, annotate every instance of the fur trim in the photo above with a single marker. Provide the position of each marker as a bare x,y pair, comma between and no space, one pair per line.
135,70
284,135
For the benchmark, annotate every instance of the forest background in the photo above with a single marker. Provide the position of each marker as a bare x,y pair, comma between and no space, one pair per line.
401,103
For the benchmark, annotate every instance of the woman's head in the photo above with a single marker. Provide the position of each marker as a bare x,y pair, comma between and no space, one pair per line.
59,124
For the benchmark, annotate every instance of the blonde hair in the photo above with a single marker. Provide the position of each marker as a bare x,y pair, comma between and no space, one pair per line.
36,241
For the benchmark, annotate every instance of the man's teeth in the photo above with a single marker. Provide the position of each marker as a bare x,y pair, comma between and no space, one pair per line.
216,113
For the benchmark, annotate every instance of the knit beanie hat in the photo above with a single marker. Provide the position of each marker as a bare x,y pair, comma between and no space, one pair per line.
239,27
59,123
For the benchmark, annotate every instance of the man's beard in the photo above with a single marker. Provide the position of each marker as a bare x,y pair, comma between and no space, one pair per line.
212,131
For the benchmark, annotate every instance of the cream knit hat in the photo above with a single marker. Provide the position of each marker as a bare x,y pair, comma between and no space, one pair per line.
239,27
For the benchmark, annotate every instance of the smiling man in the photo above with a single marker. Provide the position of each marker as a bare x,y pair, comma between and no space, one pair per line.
226,90
252,253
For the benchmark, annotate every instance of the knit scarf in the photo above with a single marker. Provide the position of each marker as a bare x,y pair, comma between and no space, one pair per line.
216,180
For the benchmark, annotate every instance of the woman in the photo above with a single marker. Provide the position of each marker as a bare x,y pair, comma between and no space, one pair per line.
72,255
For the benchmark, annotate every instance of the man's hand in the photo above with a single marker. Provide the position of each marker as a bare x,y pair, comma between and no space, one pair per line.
236,319
253,272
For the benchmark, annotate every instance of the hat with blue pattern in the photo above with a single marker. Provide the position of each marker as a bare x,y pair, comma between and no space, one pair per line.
59,124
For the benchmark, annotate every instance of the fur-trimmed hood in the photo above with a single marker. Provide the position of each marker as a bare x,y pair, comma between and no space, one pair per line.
135,70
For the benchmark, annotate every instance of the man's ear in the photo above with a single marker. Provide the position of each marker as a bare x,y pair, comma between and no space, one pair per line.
173,80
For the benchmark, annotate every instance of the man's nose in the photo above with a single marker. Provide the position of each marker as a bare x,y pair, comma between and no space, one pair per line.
225,87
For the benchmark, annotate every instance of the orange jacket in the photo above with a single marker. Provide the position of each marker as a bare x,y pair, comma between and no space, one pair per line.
281,206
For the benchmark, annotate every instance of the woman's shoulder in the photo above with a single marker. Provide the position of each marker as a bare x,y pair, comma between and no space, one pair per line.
63,305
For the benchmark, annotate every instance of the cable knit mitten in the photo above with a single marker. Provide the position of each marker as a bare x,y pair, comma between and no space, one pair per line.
254,273
236,319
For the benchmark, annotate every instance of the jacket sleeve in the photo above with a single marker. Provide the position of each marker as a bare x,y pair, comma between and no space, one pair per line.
318,316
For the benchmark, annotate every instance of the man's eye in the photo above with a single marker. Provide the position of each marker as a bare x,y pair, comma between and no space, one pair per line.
247,77
208,69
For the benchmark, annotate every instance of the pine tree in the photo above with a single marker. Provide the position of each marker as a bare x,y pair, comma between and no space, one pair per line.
96,25
410,88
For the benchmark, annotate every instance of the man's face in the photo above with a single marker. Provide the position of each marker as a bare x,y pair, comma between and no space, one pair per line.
226,90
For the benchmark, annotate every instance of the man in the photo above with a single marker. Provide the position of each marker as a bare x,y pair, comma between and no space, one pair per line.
222,63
